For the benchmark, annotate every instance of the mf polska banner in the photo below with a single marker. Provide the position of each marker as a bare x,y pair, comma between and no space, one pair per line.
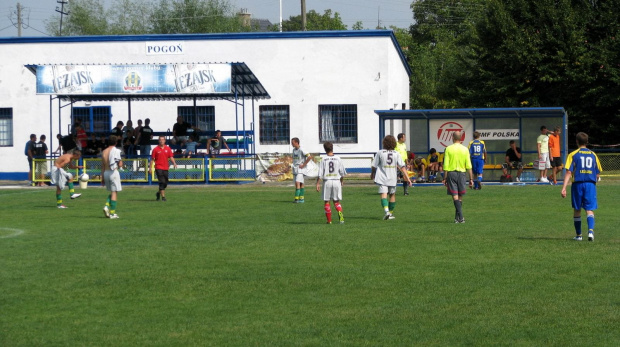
134,79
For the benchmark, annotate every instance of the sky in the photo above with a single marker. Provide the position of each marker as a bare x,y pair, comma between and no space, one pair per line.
388,12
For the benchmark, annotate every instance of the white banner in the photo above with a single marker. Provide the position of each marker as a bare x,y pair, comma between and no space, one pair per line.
440,132
499,134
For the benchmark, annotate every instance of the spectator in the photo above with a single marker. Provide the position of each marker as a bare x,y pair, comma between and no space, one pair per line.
190,148
41,152
214,144
542,143
179,131
556,156
144,137
401,148
81,137
435,164
513,160
29,152
92,146
118,132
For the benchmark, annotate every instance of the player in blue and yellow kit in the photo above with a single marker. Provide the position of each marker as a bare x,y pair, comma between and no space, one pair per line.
478,154
584,168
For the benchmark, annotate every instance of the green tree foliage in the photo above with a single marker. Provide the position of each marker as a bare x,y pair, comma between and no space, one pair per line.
315,22
195,16
87,17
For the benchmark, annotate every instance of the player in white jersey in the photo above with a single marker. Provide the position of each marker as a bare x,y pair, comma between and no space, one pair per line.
384,172
300,159
111,162
332,172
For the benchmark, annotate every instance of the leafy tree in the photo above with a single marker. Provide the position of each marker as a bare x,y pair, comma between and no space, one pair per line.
87,17
315,22
195,16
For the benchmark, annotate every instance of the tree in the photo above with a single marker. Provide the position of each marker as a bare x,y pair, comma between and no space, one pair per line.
87,17
195,16
315,22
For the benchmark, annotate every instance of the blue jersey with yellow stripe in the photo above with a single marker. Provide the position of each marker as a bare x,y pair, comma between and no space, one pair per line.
476,149
584,165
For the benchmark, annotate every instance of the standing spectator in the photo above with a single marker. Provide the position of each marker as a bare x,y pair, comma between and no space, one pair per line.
160,156
118,132
127,129
401,148
584,168
478,154
59,148
456,162
29,152
138,128
214,144
556,155
543,154
81,137
128,143
76,123
144,137
41,152
300,159
384,167
111,162
332,172
513,160
60,178
179,131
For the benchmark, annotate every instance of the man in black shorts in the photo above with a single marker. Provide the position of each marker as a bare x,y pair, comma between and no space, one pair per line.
513,160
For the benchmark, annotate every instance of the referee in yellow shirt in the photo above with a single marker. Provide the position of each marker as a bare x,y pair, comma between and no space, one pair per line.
456,161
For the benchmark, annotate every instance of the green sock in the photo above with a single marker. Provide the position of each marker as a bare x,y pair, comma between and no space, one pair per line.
384,204
113,207
301,193
391,206
107,203
71,190
58,199
297,192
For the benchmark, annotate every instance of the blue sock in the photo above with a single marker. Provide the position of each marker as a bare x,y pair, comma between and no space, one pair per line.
577,223
590,223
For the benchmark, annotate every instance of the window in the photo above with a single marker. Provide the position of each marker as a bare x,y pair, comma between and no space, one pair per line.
203,118
96,119
338,123
274,125
6,127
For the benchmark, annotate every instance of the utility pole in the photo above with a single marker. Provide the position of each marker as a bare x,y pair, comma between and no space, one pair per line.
62,13
303,15
19,20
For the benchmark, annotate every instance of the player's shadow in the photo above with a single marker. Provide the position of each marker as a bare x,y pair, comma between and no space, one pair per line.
543,238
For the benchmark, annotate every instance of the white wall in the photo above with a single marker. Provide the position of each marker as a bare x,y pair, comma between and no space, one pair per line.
297,71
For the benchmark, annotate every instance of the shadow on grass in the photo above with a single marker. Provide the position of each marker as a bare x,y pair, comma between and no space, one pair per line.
536,238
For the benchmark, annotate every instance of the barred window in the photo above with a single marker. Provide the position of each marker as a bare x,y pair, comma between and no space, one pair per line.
338,123
6,127
203,118
274,124
97,119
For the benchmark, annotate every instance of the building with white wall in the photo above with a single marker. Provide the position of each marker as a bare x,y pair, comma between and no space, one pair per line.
319,86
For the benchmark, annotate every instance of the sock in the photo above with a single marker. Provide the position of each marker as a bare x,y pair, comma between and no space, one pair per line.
338,206
328,212
107,203
459,209
71,190
590,221
297,191
113,207
301,193
391,206
384,204
58,199
577,224
405,186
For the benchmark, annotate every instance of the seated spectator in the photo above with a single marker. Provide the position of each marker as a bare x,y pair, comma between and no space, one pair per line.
190,147
92,146
435,164
513,160
419,166
179,132
214,144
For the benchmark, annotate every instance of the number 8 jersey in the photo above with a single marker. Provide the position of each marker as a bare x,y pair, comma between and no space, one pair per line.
584,165
331,168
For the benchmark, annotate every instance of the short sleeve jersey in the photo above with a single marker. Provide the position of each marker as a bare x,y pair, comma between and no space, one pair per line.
331,168
554,145
434,158
456,158
476,149
160,156
512,156
584,165
387,162
543,140
401,148
113,158
299,156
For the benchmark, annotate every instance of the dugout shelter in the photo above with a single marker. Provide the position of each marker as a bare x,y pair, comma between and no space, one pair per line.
426,129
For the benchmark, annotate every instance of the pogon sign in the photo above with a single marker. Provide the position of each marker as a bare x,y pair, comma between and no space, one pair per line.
165,48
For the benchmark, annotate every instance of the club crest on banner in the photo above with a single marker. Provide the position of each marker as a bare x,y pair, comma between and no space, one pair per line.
444,134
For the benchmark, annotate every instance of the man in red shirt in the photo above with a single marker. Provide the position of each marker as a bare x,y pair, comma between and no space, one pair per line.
160,156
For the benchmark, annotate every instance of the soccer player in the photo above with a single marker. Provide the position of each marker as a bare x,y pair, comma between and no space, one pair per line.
60,178
435,165
583,168
332,172
478,154
456,161
110,164
401,148
161,154
556,155
384,167
300,159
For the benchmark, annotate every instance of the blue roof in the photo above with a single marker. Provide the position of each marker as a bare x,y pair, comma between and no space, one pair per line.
472,113
218,36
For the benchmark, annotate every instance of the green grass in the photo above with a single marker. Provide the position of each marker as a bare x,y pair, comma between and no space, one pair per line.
241,265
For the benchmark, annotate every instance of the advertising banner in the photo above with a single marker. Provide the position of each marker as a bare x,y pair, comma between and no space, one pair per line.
440,132
499,134
134,79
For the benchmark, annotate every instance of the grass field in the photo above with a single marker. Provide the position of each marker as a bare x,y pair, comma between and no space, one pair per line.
241,265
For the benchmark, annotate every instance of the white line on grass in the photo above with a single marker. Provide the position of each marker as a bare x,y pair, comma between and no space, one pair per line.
13,233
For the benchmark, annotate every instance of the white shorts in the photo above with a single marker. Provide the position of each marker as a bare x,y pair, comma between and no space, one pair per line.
299,178
332,190
387,190
112,181
543,162
60,177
